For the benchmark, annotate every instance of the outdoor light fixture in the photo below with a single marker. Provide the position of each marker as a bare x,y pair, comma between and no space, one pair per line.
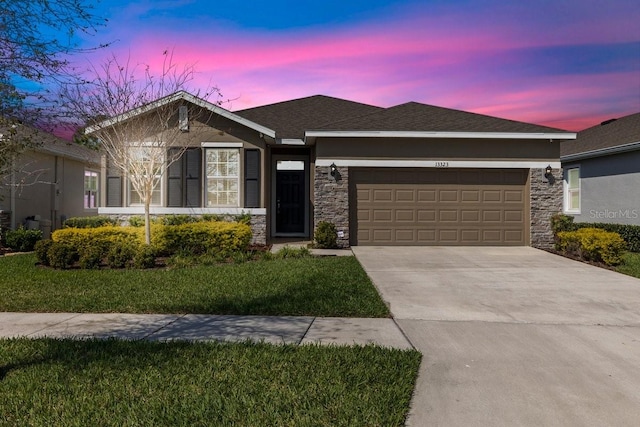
333,170
547,173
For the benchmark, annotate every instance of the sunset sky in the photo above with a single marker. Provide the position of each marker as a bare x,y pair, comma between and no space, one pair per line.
563,63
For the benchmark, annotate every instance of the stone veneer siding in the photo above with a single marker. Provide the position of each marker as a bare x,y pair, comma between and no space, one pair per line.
546,200
258,225
331,201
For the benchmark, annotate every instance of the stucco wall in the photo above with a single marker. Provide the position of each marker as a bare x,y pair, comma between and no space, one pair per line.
545,200
609,189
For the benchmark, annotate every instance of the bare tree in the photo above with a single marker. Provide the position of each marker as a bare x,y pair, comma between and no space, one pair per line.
37,41
150,124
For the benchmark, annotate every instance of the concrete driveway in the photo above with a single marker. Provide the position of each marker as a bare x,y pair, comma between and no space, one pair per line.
514,336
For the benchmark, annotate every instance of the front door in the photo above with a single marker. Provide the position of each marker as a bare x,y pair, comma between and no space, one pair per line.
291,195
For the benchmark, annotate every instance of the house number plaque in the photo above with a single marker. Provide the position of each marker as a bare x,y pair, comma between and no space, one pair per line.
442,164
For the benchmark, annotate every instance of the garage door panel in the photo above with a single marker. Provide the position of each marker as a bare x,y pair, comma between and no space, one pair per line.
380,195
380,215
405,215
440,207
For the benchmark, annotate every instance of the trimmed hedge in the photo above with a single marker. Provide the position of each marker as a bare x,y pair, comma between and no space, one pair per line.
123,247
214,238
592,244
629,233
22,240
326,235
89,222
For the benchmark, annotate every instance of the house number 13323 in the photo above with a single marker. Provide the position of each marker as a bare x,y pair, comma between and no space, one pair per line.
442,164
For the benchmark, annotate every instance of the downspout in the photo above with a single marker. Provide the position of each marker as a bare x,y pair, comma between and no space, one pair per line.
54,195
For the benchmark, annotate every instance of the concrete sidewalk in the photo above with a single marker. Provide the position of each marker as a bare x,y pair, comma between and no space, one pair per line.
166,327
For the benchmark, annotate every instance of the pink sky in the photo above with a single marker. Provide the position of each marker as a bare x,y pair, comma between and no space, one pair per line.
568,64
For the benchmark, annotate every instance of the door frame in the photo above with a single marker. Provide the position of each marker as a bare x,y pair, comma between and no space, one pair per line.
274,162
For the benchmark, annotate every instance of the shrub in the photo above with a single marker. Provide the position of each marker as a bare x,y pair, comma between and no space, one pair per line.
122,253
101,236
325,235
91,256
42,248
144,258
561,222
243,218
178,219
212,217
593,244
214,238
22,240
89,222
630,233
136,221
61,255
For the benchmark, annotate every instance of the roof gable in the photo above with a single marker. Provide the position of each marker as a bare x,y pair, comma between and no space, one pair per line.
607,135
290,119
182,95
417,117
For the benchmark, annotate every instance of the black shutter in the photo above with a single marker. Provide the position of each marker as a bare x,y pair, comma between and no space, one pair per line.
174,181
193,183
252,178
114,186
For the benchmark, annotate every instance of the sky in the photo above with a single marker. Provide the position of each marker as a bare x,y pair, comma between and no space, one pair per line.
569,64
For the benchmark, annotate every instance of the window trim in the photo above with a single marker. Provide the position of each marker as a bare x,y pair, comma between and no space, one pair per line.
96,196
568,192
161,178
238,177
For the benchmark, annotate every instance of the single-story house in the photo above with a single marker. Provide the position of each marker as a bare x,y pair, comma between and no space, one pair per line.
412,174
602,172
49,183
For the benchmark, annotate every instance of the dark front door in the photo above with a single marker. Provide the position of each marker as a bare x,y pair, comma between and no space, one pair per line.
290,201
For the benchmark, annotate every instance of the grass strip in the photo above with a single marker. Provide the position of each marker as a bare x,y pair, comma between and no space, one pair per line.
137,383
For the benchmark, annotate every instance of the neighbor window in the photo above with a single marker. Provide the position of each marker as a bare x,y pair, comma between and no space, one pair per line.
144,160
223,176
572,202
90,189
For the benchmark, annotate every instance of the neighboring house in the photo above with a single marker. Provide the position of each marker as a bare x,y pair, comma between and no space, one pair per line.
54,181
413,174
602,172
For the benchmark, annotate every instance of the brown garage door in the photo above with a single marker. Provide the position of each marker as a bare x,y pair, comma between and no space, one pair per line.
439,206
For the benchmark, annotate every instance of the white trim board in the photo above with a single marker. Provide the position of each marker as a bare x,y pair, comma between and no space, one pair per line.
157,210
440,164
221,145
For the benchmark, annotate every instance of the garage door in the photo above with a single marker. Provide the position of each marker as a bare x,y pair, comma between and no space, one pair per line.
439,206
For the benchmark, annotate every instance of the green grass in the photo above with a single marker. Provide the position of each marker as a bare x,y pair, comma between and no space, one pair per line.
328,286
123,383
630,264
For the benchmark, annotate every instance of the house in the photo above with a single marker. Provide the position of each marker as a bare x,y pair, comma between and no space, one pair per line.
602,172
49,183
412,174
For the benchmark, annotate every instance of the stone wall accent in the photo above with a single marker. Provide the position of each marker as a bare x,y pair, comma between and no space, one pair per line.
258,225
331,201
546,200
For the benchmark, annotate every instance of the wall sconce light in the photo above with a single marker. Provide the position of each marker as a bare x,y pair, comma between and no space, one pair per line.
548,174
333,170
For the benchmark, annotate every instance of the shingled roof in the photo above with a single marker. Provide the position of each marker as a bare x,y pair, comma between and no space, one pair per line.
290,119
414,116
607,135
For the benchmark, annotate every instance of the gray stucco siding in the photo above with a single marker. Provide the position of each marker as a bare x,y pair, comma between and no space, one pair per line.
609,188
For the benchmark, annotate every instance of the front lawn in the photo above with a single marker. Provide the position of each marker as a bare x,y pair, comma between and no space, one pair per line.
327,286
630,264
124,383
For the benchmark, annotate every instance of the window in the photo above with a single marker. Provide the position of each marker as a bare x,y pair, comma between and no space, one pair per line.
90,189
145,160
572,195
223,172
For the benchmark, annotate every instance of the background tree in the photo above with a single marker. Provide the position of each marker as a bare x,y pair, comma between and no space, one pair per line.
37,40
149,128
